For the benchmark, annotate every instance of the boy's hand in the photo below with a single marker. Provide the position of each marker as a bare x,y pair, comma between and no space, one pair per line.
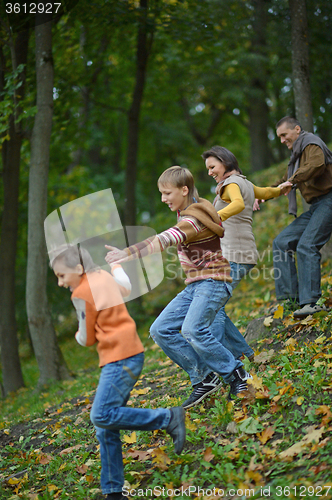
115,255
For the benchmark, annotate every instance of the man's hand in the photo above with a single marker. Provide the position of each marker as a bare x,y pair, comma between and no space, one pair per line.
115,255
256,204
285,187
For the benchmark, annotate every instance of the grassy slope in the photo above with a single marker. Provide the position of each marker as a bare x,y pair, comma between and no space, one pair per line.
275,438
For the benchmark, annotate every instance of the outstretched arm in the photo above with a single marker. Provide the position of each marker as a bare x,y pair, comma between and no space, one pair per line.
185,229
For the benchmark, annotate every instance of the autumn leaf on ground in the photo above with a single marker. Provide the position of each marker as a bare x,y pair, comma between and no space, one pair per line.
291,342
287,388
82,469
249,395
264,356
208,454
266,434
254,476
320,340
232,428
321,444
324,410
45,459
70,449
138,392
274,407
268,321
278,314
309,321
291,452
256,381
250,426
313,435
161,459
190,424
319,468
130,439
140,455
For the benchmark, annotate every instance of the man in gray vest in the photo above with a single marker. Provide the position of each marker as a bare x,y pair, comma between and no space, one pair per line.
309,170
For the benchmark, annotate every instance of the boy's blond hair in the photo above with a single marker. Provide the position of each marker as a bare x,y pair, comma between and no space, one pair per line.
180,177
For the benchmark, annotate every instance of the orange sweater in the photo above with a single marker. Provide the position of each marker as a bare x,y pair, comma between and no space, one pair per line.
103,318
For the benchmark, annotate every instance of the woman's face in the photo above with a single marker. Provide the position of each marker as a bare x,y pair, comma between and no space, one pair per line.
215,168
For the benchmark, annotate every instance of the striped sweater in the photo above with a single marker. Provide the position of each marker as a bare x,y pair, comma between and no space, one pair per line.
197,237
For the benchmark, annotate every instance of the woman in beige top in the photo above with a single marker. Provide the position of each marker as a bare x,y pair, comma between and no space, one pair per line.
234,203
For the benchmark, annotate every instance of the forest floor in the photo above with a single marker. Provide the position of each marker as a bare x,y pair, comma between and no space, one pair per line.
273,442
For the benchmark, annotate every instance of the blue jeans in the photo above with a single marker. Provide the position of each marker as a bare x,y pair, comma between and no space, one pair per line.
305,235
183,331
109,415
223,329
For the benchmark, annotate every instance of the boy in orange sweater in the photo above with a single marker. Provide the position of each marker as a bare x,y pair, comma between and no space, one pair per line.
103,319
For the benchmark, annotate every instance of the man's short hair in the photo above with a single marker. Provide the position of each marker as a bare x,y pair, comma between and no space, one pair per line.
292,122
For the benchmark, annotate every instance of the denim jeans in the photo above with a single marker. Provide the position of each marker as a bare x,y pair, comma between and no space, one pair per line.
305,235
109,414
223,329
183,331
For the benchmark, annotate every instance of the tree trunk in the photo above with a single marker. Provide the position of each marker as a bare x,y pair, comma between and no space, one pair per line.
49,358
300,63
142,54
11,157
258,125
258,110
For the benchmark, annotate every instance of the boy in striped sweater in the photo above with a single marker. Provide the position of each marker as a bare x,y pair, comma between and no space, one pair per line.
184,330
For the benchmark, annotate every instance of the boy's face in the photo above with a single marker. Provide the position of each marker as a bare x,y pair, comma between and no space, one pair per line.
67,277
176,198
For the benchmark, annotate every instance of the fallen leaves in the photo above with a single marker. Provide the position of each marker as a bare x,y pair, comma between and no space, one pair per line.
278,314
264,356
250,426
266,434
161,459
66,451
208,454
268,321
313,436
130,439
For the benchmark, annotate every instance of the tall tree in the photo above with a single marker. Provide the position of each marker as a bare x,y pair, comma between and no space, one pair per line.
258,111
300,63
11,156
49,358
143,50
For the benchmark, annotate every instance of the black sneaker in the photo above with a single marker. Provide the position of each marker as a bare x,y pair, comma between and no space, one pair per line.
177,428
239,383
210,384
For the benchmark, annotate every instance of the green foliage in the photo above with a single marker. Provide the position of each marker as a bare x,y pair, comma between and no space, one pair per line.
11,104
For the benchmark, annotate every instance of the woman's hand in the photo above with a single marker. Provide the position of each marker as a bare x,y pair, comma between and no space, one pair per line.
256,204
115,255
285,187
